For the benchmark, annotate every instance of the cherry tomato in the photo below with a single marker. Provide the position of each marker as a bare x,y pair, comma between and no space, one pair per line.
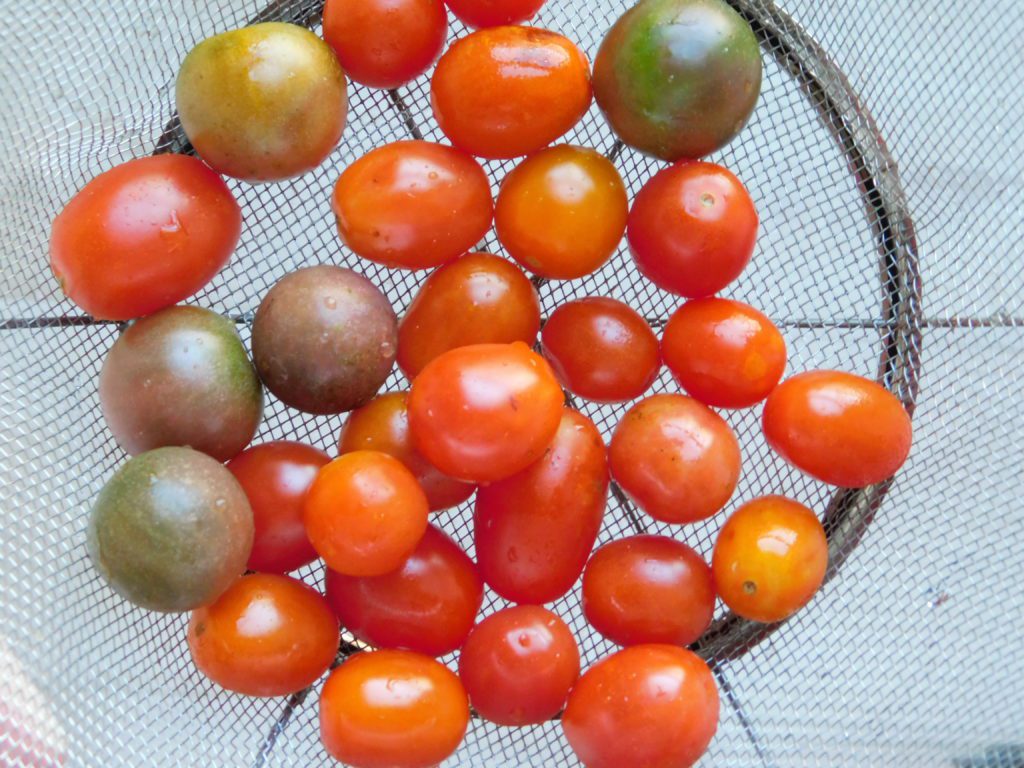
268,635
365,513
534,530
518,665
476,299
649,705
485,412
692,229
601,349
837,427
412,204
770,558
392,709
494,13
724,353
509,91
383,425
648,589
428,605
677,459
275,478
385,43
561,213
143,236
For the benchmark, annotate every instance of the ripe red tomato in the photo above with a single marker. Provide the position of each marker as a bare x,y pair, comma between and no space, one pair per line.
428,605
649,705
692,229
534,530
275,478
392,709
268,635
476,299
365,513
677,459
837,427
770,558
494,13
385,43
508,91
518,665
383,425
561,213
724,353
143,236
601,349
648,589
412,204
485,412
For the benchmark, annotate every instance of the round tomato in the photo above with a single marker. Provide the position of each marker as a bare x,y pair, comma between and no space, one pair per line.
494,13
365,513
485,412
677,459
275,478
650,705
412,204
508,91
648,589
143,236
476,299
724,353
837,427
518,665
692,229
561,213
601,349
392,709
268,635
383,425
770,559
534,530
428,605
385,43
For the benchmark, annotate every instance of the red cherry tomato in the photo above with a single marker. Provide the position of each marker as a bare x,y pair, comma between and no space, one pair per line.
485,412
837,427
412,204
649,705
428,605
770,559
392,709
601,349
648,589
476,299
509,91
383,425
534,530
385,43
365,513
267,635
561,213
518,665
677,459
494,13
724,353
143,236
275,478
692,229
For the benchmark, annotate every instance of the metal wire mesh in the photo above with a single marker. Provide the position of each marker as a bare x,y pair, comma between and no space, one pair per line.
910,656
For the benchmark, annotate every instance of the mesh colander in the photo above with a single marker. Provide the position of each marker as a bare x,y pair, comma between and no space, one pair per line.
911,655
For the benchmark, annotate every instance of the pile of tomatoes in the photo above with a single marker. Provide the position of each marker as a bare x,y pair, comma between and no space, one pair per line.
486,415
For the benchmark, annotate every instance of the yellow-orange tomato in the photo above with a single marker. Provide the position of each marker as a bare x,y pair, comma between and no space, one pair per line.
770,558
509,91
562,212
